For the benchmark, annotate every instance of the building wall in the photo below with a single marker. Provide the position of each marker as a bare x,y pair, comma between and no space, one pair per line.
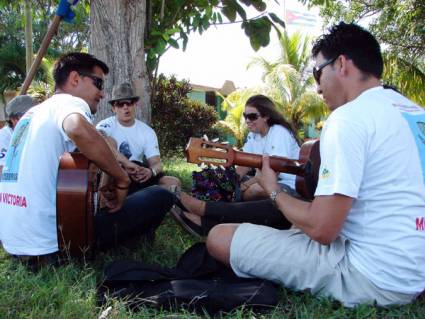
201,97
197,96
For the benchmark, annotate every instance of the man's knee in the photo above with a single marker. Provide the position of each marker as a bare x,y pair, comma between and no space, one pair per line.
219,240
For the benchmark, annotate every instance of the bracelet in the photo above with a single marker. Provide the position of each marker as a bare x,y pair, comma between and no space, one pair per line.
273,195
120,187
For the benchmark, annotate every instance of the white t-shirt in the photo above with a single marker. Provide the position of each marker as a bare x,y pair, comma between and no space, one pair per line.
132,141
5,135
279,142
368,152
28,181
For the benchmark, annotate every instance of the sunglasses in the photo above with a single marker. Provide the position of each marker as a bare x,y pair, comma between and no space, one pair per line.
317,70
97,81
122,103
251,116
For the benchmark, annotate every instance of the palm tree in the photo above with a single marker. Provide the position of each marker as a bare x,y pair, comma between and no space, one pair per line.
289,82
407,76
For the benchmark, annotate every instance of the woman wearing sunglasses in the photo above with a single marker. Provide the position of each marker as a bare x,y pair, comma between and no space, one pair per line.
269,133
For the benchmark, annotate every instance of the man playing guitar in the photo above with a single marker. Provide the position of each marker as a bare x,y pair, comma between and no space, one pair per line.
361,239
28,181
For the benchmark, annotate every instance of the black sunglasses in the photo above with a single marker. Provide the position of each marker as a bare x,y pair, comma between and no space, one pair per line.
317,70
251,116
97,81
122,103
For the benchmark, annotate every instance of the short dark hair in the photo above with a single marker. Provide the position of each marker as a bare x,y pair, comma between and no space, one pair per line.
356,43
266,107
75,61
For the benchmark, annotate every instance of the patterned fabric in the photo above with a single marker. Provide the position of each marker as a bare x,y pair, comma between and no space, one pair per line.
216,184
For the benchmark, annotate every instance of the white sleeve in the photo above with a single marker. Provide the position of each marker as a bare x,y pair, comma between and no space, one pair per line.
5,136
70,105
105,126
151,148
343,146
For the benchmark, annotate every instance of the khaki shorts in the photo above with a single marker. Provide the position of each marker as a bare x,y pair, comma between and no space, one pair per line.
291,258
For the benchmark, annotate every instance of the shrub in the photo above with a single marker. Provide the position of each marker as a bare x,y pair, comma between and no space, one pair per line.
175,118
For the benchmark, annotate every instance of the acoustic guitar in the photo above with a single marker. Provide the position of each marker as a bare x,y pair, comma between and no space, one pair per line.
76,204
306,168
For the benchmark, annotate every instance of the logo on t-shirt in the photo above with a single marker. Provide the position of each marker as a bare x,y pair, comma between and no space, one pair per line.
325,173
124,149
14,154
420,223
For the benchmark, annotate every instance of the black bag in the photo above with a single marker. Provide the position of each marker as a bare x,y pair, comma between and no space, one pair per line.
197,283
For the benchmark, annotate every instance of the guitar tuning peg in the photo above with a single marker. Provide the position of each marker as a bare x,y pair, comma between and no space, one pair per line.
215,140
222,167
205,137
203,165
213,166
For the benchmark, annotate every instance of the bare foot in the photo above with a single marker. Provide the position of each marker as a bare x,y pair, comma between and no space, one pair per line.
193,205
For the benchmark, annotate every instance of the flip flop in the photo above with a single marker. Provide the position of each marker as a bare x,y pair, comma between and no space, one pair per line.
192,228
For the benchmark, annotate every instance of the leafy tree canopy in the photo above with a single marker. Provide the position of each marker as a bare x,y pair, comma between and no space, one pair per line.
400,28
398,24
12,24
168,24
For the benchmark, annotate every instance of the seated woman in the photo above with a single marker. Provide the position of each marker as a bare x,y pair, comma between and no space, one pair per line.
269,133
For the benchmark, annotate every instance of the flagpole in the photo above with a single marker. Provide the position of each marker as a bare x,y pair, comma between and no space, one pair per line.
63,12
41,52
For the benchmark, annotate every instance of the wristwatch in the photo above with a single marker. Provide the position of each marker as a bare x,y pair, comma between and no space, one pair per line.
273,195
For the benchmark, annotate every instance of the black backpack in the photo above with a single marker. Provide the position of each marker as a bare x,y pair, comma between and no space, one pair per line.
197,283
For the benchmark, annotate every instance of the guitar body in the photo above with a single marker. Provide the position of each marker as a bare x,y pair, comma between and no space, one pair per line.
75,205
309,155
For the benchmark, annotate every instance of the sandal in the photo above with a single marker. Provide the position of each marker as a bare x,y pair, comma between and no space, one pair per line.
177,212
194,229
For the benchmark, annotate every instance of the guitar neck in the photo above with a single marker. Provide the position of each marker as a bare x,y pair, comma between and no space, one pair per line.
277,163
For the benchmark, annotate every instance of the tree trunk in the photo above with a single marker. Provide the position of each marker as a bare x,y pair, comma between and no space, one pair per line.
116,37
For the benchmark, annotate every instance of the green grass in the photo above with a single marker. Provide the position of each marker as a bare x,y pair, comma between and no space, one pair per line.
70,291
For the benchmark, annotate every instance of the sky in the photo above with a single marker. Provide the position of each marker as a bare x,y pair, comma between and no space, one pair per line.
223,52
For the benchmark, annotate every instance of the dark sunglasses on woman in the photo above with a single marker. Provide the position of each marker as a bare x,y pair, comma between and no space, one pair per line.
251,116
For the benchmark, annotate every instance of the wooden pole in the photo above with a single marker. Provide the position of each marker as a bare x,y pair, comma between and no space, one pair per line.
28,36
41,52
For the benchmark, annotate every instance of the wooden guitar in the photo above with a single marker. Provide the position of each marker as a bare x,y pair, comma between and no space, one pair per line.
76,204
306,167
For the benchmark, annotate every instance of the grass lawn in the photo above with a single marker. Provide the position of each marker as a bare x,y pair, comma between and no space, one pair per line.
70,291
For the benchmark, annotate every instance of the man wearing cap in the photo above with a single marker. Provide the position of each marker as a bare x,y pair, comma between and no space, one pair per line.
134,140
14,110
